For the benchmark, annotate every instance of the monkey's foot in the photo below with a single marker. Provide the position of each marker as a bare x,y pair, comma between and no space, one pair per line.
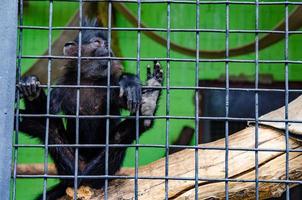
29,87
150,96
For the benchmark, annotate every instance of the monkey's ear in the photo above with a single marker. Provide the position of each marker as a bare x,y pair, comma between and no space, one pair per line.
70,49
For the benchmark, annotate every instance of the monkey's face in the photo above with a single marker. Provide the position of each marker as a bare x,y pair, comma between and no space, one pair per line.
95,47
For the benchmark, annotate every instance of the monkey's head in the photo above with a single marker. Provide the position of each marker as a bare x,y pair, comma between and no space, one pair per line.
93,44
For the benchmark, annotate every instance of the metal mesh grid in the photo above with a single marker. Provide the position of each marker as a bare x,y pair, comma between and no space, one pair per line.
197,60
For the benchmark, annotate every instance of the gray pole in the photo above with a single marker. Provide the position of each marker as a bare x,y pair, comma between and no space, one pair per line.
8,39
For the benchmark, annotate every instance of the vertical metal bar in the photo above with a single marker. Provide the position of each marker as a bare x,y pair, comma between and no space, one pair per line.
167,102
8,38
79,59
108,102
18,76
286,103
197,101
137,113
227,100
48,99
256,100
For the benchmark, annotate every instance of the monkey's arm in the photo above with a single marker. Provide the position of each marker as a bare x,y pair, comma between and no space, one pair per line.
124,132
35,103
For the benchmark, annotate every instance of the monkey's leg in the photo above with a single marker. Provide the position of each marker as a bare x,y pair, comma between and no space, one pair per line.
55,192
63,156
124,133
97,167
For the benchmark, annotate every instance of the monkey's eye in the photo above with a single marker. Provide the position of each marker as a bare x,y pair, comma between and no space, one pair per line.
70,43
97,41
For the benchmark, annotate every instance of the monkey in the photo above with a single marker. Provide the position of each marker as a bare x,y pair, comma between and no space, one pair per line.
92,101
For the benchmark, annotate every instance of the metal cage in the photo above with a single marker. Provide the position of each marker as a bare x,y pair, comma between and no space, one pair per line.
11,24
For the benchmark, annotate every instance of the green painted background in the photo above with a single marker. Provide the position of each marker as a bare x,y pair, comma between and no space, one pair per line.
181,73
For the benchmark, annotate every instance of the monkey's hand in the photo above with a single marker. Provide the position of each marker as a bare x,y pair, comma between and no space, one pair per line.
150,96
29,87
130,88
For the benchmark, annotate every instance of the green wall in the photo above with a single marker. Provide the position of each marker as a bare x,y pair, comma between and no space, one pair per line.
181,73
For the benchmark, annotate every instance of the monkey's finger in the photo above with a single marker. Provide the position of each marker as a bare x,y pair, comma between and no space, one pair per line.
24,90
20,90
159,76
134,107
129,99
139,94
28,88
121,92
156,67
129,105
139,97
154,62
38,84
149,75
33,88
136,98
19,87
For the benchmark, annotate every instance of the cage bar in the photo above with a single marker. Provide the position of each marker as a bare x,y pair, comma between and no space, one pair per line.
257,101
8,38
227,96
7,83
197,100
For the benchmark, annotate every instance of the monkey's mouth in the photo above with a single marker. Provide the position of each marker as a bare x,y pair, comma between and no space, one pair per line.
101,52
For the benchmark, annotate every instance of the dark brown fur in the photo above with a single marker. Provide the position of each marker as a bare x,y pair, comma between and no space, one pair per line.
93,101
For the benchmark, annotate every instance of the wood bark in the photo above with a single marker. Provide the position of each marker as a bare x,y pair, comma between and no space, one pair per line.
241,166
245,164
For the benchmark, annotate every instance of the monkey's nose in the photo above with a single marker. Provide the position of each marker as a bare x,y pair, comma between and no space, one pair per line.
102,52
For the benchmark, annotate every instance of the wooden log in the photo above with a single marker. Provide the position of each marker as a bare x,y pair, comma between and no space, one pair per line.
35,169
38,169
212,166
212,171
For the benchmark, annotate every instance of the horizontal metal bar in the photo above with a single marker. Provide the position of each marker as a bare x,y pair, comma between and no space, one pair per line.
188,2
46,28
164,59
160,178
157,117
178,88
204,147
